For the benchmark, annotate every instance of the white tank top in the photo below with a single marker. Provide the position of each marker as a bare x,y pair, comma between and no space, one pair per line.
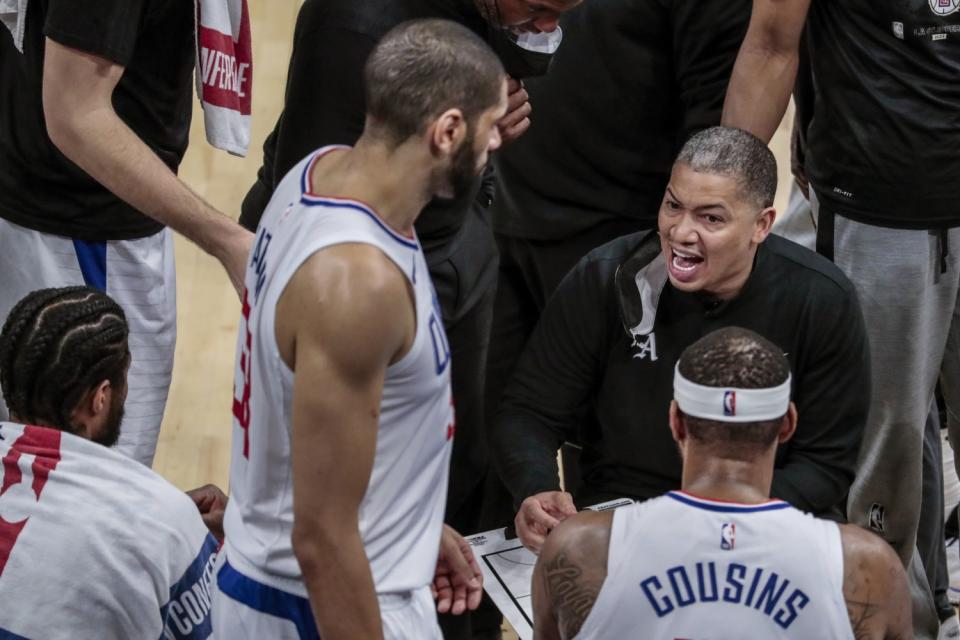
401,513
686,567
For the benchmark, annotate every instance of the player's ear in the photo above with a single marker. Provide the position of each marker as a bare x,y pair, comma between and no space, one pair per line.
789,425
677,429
94,404
448,132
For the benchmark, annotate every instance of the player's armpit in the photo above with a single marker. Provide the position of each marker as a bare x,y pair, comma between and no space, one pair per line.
569,575
875,587
343,318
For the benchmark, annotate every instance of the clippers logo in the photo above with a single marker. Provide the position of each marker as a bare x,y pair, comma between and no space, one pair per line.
877,515
729,403
728,536
944,7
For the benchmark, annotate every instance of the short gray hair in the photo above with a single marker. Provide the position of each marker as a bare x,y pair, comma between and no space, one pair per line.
737,154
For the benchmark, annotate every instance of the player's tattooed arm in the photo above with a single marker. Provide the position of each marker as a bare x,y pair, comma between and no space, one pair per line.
569,574
874,587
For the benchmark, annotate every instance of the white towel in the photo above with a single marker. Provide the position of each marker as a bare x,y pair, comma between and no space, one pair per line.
13,15
224,66
224,72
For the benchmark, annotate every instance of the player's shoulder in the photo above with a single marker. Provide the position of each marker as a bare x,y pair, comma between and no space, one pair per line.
585,534
353,271
866,554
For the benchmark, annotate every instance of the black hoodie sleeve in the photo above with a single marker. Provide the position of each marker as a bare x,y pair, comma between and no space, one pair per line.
554,378
816,467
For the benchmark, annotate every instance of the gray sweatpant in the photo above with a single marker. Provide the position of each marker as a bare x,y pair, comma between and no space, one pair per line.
908,292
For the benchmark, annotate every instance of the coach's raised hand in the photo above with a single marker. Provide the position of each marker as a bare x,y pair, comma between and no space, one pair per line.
539,514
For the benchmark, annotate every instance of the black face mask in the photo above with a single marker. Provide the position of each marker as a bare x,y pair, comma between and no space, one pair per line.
518,62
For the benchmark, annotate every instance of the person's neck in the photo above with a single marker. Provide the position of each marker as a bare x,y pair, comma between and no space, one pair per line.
394,182
727,479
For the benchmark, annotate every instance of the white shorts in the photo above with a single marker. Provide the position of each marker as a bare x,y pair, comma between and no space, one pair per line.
139,275
245,609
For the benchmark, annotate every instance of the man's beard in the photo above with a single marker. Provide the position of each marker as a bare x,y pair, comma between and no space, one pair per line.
463,167
111,428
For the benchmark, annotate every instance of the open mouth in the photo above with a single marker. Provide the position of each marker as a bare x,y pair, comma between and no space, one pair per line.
683,261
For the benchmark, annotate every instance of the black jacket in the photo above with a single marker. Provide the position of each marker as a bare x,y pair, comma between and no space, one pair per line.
593,371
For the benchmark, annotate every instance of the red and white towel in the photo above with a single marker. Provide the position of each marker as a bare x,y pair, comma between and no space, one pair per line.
224,66
225,72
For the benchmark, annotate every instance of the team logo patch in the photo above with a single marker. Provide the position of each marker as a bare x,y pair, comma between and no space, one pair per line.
729,403
728,535
877,516
646,346
898,30
944,7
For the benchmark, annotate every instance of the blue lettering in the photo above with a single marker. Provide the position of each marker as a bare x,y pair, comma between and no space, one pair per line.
753,586
796,602
653,582
734,592
259,261
686,598
441,349
714,595
770,595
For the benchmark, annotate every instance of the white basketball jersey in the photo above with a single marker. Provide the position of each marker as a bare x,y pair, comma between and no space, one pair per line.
686,568
402,511
96,545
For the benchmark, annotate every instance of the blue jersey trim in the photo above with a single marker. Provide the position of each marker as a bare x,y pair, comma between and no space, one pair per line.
92,257
186,614
311,200
9,635
314,201
269,600
723,507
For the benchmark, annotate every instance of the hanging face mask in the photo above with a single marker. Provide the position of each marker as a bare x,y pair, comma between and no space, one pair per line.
524,55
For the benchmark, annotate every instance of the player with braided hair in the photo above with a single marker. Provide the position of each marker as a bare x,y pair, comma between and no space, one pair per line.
61,343
131,555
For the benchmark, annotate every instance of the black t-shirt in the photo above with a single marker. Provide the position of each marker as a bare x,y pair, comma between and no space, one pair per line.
593,348
884,139
154,40
632,81
324,102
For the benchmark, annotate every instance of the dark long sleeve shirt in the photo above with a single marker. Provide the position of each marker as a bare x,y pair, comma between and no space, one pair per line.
325,104
632,81
599,367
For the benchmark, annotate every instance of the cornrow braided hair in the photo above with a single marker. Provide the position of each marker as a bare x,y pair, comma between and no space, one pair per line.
55,346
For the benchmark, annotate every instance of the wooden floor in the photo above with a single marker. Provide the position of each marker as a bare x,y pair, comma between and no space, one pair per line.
195,439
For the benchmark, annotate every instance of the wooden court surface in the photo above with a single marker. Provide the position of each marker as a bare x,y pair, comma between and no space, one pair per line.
194,445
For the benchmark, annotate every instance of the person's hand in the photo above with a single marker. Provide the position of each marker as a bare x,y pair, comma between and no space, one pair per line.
233,256
458,582
517,119
211,502
539,514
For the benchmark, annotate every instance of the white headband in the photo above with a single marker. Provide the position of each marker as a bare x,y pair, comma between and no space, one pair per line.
730,405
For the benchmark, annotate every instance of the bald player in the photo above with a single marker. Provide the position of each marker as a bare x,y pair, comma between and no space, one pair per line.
719,558
343,416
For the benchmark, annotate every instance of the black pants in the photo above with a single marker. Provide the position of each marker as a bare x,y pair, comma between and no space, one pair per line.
465,281
530,271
